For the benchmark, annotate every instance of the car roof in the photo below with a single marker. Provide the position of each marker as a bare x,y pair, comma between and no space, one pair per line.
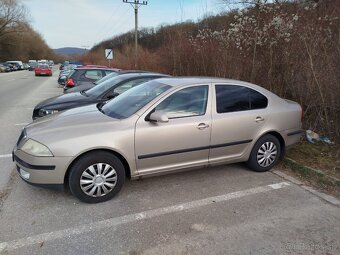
191,80
96,68
143,74
187,80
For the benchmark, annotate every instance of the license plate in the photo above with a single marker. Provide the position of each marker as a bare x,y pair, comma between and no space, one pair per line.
42,73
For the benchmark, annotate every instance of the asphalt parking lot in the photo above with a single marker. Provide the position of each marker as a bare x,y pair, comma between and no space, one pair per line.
218,210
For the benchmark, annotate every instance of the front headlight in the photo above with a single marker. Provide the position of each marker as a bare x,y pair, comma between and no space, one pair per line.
36,149
43,112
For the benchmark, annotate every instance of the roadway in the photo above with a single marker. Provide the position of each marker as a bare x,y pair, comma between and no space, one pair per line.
219,210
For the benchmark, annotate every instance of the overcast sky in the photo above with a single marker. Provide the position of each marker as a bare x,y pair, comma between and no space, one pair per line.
79,23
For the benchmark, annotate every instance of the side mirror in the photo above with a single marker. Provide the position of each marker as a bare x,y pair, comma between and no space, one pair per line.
159,116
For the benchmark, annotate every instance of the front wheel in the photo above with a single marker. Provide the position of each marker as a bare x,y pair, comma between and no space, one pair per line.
265,154
96,177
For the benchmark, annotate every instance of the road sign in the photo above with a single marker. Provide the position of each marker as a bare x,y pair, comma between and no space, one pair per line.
109,53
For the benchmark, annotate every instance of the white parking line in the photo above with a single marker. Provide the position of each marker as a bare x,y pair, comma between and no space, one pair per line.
114,222
21,124
6,156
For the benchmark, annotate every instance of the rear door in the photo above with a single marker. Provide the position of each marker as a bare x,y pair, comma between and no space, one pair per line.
239,113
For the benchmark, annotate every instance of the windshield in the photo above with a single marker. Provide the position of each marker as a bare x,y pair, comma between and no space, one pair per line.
105,78
104,86
134,99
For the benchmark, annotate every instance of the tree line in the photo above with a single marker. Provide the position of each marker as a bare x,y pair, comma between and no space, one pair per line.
289,47
18,40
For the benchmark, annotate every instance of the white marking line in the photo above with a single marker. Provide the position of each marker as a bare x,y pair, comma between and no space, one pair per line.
6,156
114,222
21,124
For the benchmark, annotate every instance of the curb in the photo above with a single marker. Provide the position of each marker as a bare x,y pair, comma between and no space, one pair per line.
311,172
326,197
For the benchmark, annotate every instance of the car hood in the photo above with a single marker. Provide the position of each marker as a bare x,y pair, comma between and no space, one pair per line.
67,99
67,121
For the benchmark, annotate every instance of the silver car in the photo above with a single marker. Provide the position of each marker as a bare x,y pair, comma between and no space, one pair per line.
161,126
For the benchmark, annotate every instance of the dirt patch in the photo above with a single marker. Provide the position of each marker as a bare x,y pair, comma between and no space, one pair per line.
317,182
323,157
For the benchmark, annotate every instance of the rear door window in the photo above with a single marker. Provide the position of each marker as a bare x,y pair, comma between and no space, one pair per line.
234,98
93,74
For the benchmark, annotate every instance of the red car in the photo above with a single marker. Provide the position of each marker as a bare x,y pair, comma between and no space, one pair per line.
43,70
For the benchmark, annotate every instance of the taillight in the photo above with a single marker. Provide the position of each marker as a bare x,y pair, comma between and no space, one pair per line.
70,82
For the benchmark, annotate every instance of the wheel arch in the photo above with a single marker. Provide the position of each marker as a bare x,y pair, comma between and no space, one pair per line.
121,158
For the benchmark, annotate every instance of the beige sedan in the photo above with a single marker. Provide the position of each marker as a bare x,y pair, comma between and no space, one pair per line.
161,126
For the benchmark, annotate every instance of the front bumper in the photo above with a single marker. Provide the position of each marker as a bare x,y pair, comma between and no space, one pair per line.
41,170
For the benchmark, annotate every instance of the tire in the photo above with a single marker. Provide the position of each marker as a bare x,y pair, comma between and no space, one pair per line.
265,154
87,170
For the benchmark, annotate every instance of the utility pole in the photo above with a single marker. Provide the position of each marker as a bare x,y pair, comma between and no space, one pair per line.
135,5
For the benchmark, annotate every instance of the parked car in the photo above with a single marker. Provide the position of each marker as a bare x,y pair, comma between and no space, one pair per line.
32,65
19,65
157,127
101,93
9,66
82,78
4,68
43,69
26,66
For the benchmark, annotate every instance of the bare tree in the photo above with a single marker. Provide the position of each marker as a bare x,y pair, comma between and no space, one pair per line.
12,15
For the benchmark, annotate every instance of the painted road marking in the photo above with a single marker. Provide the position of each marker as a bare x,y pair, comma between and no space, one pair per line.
6,156
21,124
114,222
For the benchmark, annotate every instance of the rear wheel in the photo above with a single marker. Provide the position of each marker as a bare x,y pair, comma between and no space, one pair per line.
265,154
96,177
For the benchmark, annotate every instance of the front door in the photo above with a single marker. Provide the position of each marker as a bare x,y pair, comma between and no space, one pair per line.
183,141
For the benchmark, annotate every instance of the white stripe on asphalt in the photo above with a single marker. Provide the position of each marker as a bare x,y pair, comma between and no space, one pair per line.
21,124
6,156
114,222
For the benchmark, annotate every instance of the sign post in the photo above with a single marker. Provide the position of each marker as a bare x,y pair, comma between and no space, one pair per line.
109,55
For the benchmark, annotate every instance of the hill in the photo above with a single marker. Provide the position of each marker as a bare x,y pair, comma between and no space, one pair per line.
69,51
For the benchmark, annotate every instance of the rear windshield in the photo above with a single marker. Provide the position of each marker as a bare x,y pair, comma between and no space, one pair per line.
43,66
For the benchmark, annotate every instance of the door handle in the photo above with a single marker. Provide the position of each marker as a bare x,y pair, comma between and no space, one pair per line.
259,119
202,126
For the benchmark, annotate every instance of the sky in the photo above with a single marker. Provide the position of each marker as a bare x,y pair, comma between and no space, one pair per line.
84,23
